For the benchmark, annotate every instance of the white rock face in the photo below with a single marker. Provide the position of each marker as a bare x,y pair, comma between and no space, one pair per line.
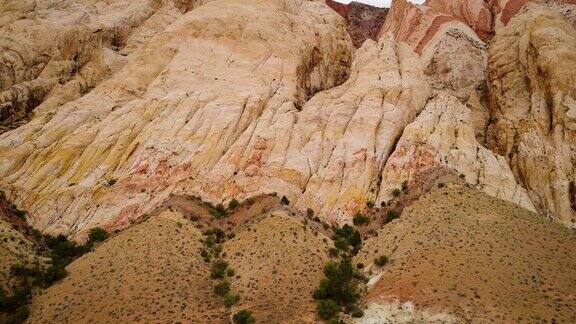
54,52
532,68
203,85
441,141
328,155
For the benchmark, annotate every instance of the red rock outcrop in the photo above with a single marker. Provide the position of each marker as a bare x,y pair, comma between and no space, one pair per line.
363,21
417,24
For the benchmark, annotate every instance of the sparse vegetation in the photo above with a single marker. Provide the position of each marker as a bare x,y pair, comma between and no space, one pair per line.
327,309
218,269
231,299
396,192
97,235
360,220
110,182
233,204
391,215
381,261
243,317
222,289
61,252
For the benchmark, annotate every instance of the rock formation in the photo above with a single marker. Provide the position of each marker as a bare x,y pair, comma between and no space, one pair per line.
173,111
54,52
363,21
531,73
294,109
441,142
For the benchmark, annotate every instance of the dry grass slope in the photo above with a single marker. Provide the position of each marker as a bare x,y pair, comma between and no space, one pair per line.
477,257
279,262
151,272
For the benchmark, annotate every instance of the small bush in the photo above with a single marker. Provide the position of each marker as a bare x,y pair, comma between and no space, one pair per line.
360,220
97,235
390,216
383,204
370,204
285,201
441,185
381,261
360,265
405,186
231,299
233,204
327,308
222,289
218,269
111,182
333,252
230,272
396,192
243,317
462,176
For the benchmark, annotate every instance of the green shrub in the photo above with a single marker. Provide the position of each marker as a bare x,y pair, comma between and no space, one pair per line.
327,309
243,317
391,215
381,261
285,201
231,299
396,192
222,289
360,220
347,235
18,316
218,269
333,252
370,204
233,204
97,235
230,272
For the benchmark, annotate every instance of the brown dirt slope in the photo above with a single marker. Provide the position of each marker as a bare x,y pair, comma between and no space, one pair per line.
279,261
477,257
151,272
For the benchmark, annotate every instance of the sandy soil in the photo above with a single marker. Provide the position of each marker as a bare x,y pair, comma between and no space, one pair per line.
477,257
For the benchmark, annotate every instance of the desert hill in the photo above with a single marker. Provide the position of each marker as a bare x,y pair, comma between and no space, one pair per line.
458,251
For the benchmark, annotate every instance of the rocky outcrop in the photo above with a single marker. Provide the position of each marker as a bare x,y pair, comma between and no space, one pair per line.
418,24
54,52
531,73
179,104
440,146
363,21
327,156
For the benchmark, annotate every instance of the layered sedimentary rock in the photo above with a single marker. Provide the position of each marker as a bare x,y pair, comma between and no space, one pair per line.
54,52
441,145
418,24
206,83
327,156
363,21
531,73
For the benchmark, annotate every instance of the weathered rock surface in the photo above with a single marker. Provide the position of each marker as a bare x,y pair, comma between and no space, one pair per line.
418,24
531,73
206,83
442,142
363,21
327,156
54,52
